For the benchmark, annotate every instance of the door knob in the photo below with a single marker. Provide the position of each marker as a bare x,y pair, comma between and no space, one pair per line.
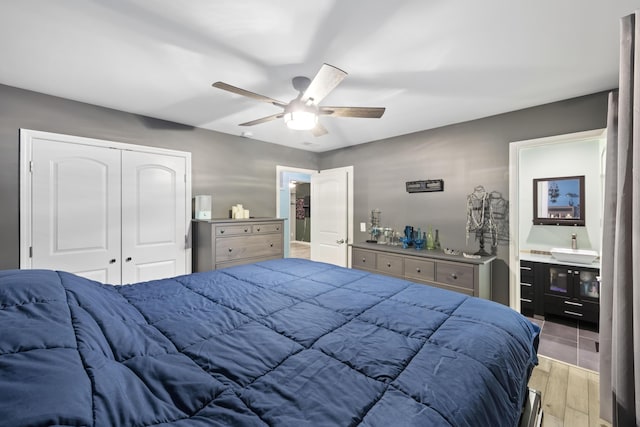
112,261
128,259
341,241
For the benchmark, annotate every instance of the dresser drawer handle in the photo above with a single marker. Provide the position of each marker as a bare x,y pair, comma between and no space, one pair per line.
577,304
454,276
270,245
418,270
258,229
364,260
278,228
221,231
525,300
230,249
246,229
573,313
389,264
525,268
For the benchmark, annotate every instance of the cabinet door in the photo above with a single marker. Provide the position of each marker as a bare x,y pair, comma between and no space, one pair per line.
588,285
558,281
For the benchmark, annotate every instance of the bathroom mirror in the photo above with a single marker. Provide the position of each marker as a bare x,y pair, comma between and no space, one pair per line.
558,201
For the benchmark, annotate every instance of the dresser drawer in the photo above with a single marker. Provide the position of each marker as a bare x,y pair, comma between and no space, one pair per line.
363,259
455,274
526,292
526,307
580,310
267,227
253,246
419,269
390,264
233,230
526,286
526,267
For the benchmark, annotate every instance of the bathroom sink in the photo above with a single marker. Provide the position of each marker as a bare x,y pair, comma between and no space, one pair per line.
582,256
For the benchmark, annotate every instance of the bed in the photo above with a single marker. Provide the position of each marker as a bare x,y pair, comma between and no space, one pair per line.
286,342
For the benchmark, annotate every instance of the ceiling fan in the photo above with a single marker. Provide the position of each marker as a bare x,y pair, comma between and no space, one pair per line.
301,113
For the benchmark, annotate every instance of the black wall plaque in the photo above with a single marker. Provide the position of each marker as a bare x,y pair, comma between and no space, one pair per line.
425,186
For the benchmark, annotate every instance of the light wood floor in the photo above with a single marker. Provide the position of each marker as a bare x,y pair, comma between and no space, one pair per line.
300,250
570,395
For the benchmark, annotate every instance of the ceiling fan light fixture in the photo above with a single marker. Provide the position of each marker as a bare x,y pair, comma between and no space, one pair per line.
300,120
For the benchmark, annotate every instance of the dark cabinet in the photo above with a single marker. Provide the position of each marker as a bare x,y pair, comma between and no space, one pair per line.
531,294
527,290
572,292
562,290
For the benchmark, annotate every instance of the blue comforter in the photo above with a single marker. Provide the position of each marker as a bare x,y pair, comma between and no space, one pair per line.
280,343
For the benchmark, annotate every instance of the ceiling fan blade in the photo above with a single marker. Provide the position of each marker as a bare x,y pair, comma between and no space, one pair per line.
262,120
363,112
324,82
319,130
249,94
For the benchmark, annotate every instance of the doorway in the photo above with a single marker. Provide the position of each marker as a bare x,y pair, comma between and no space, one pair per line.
287,179
331,198
580,153
300,217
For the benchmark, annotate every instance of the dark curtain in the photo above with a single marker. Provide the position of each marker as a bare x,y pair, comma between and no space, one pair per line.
620,263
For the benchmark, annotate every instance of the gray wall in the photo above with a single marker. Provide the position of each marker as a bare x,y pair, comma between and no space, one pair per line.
232,169
238,170
464,155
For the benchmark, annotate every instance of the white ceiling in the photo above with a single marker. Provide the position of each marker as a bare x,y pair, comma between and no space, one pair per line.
430,63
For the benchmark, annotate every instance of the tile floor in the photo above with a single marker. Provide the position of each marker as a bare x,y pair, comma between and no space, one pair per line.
569,341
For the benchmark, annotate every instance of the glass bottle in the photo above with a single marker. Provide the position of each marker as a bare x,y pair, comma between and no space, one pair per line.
430,241
437,242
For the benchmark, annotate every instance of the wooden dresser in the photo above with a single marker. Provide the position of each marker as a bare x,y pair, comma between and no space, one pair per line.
219,243
470,276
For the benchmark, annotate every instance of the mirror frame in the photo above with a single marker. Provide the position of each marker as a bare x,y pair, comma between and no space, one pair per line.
559,221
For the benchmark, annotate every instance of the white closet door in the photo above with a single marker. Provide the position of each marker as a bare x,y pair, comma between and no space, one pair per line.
76,209
153,216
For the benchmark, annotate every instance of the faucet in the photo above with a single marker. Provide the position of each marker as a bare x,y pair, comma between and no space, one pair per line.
574,241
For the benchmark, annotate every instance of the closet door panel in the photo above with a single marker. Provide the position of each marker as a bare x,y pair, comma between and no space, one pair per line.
76,209
153,216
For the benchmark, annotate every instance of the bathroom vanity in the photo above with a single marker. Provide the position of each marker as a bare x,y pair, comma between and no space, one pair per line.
549,286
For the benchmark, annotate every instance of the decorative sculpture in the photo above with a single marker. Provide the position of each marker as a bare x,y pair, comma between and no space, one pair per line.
487,214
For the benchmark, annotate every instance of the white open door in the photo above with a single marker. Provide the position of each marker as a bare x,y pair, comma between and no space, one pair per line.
330,216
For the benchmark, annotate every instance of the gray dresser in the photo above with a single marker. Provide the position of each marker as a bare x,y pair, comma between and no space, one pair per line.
222,243
470,276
